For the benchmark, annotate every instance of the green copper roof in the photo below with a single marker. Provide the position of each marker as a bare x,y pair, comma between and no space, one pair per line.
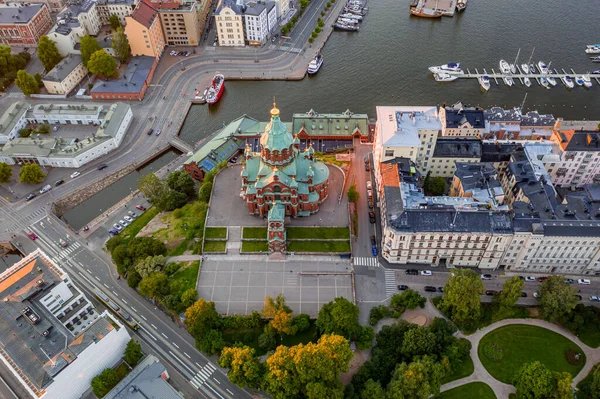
276,136
342,124
277,212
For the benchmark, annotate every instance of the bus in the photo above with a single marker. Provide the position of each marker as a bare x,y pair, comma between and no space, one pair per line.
123,315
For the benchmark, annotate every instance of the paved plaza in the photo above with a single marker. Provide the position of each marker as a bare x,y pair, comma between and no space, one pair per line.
239,284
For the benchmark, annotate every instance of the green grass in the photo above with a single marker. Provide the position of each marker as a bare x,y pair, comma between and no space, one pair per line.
525,344
254,246
472,390
318,246
248,336
583,388
464,370
303,337
215,232
185,224
255,232
329,158
184,279
215,246
139,223
589,334
323,233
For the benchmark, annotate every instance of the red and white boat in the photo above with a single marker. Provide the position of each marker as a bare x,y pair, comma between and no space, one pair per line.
214,92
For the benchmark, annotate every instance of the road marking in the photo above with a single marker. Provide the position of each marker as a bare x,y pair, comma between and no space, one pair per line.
89,271
210,366
82,276
104,284
216,393
115,293
153,337
198,364
154,326
134,309
188,356
229,391
194,384
124,301
96,277
204,373
184,365
217,381
174,344
144,317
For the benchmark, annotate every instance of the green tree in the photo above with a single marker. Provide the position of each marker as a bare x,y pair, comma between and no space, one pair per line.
47,53
188,297
353,195
301,321
205,191
150,265
201,317
157,191
417,380
339,316
31,174
114,22
104,382
245,370
511,292
133,278
372,390
38,79
556,298
25,132
44,128
417,342
210,342
534,381
267,341
153,285
595,384
303,4
133,353
461,296
181,181
103,64
175,200
121,45
88,46
409,299
5,172
26,83
564,389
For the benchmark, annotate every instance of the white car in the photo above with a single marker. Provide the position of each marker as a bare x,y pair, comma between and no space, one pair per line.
536,295
158,132
369,186
75,174
426,273
594,298
529,278
129,219
132,214
486,276
584,281
118,226
173,52
123,223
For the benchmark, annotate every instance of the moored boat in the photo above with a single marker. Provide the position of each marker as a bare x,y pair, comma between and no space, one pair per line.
595,59
444,77
504,67
347,21
543,67
544,82
216,88
484,82
352,16
508,81
315,64
461,5
345,27
587,82
425,13
567,81
579,80
525,68
551,80
526,81
593,49
451,67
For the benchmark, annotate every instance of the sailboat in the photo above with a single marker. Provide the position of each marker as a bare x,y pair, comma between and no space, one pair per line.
513,68
525,67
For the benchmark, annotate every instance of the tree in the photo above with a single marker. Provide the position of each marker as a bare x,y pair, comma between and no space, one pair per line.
417,342
372,390
437,186
154,285
461,296
44,128
150,265
282,322
142,247
25,132
5,172
114,22
133,353
201,317
556,298
31,174
511,292
210,342
301,321
272,306
205,191
155,190
417,380
353,195
121,46
104,382
595,384
103,64
188,297
26,83
339,316
181,181
245,370
88,46
564,390
267,341
534,381
48,53
175,200
133,279
409,299
38,79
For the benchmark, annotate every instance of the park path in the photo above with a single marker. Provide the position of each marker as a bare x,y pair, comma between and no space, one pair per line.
183,258
501,389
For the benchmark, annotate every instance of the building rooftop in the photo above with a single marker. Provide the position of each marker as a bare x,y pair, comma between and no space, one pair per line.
495,151
346,123
533,118
479,179
133,79
230,4
584,141
117,2
253,8
471,118
445,218
11,116
541,195
18,13
399,126
144,14
63,68
457,148
77,7
497,114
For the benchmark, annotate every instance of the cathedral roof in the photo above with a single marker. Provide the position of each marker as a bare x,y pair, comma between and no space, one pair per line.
276,136
277,212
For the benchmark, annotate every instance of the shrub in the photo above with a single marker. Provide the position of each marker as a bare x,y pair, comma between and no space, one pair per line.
493,352
311,40
172,268
133,278
379,312
301,321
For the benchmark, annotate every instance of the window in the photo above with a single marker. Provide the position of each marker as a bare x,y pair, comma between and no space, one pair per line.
390,153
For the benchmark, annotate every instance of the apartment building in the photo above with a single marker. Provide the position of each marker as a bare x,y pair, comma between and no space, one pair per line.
67,34
53,5
511,124
461,121
120,8
580,158
229,24
66,75
86,12
535,126
448,152
477,180
144,31
182,21
260,19
22,24
283,8
499,153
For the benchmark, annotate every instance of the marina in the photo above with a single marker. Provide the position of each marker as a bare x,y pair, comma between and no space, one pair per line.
351,15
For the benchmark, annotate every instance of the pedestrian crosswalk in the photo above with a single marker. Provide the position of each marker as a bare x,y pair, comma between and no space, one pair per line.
390,282
202,375
366,261
67,251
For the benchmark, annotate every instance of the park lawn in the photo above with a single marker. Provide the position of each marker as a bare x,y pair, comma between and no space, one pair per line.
185,278
215,246
255,232
215,232
472,390
139,223
464,370
329,158
318,246
525,344
185,224
589,334
323,233
254,246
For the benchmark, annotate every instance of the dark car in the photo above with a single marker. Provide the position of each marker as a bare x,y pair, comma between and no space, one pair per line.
403,287
30,197
523,294
373,240
59,182
367,166
429,288
412,272
371,203
102,166
150,132
440,289
371,216
521,278
579,297
569,281
491,292
374,250
113,231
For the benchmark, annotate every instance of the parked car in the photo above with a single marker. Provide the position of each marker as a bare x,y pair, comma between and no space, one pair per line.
128,218
373,240
75,174
371,216
426,273
30,197
123,223
402,287
594,298
374,250
584,281
367,166
412,272
102,166
45,189
369,186
59,182
369,194
371,203
150,132
173,52
113,231
132,214
63,243
158,132
55,128
523,294
543,278
429,288
536,295
32,235
529,278
118,227
579,297
521,278
491,292
569,281
486,276
141,208
440,289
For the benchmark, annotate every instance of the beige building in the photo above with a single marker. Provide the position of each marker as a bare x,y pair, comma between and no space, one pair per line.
460,121
144,31
65,76
450,151
120,8
229,24
183,23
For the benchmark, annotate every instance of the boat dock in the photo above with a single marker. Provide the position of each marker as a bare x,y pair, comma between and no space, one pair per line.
497,76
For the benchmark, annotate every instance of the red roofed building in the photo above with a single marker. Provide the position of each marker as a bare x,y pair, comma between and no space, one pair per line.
144,31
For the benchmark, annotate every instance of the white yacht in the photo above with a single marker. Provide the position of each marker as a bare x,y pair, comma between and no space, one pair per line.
579,80
526,81
513,69
451,67
544,82
593,49
567,81
587,82
543,67
504,67
525,69
551,80
484,82
444,77
508,81
315,64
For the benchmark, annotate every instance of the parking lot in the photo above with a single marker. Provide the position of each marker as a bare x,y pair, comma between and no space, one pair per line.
239,284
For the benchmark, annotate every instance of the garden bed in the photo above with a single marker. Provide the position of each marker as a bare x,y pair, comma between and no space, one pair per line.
254,233
324,233
318,246
215,246
255,246
215,233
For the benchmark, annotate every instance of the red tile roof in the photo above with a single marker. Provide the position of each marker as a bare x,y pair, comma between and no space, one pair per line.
144,14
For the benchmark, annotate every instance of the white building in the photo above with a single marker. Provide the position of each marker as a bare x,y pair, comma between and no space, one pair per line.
259,20
86,12
112,124
120,8
229,24
67,34
580,158
12,121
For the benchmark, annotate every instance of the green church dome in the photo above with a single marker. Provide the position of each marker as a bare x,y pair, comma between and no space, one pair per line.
276,136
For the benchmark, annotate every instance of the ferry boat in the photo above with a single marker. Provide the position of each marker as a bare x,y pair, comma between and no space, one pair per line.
567,81
543,67
346,27
484,82
425,13
315,64
451,67
214,92
444,77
